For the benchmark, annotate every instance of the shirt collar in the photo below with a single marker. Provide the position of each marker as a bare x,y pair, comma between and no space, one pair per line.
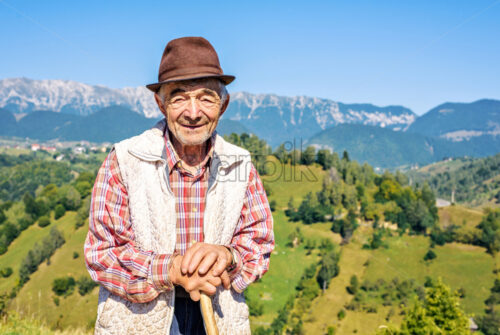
172,158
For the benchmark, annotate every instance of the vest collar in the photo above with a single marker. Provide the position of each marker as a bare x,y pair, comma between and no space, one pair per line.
150,147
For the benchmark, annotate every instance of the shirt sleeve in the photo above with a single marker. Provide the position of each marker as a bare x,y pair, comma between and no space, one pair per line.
111,256
253,240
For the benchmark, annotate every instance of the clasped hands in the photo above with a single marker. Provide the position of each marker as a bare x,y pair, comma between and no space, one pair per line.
201,269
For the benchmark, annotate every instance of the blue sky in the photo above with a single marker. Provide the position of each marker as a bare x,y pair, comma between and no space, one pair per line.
412,53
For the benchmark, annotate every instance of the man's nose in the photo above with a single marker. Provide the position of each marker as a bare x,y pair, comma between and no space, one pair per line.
193,109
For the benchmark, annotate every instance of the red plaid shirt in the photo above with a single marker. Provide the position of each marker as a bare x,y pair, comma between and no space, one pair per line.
115,262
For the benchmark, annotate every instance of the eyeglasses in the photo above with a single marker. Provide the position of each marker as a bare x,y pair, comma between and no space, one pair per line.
205,98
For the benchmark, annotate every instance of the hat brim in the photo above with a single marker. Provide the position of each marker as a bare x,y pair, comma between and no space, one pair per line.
226,79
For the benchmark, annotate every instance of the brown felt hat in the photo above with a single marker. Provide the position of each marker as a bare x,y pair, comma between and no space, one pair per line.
189,58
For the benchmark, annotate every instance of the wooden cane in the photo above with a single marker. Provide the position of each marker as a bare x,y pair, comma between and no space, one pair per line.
207,312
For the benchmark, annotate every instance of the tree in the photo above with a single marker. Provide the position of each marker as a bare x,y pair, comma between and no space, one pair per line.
329,268
282,154
2,216
59,211
30,204
40,253
439,313
84,188
350,198
50,193
489,323
345,156
490,231
295,157
69,197
4,244
427,195
86,177
290,211
309,210
308,156
325,158
388,190
346,226
375,241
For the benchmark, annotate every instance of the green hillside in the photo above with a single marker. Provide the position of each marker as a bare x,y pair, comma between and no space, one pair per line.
474,182
379,227
403,259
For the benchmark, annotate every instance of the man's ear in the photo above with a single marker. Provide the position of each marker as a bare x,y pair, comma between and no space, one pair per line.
160,104
226,103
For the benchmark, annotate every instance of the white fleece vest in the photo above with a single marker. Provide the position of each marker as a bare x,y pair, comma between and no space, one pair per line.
152,211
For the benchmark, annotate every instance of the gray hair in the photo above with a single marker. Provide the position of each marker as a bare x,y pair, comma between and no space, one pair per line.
221,89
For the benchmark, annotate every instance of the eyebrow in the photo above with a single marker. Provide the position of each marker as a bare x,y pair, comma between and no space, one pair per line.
205,90
209,91
177,90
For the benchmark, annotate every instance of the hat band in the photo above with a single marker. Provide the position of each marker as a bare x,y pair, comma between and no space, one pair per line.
197,71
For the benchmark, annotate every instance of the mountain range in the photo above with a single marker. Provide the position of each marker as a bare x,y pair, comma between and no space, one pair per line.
384,136
262,114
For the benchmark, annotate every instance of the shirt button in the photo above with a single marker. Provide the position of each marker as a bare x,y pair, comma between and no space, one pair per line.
195,209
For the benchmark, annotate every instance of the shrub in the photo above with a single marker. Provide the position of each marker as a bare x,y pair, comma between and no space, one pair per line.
85,285
255,308
341,314
353,288
75,255
63,286
6,272
272,205
44,221
430,255
79,223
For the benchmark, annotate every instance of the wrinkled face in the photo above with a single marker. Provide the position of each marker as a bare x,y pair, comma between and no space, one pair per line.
192,110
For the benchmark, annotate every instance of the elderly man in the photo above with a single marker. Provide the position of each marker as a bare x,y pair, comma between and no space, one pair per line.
177,211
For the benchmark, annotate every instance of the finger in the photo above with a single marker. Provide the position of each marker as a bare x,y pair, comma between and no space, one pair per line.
220,266
209,289
195,295
186,259
208,262
196,259
215,281
226,281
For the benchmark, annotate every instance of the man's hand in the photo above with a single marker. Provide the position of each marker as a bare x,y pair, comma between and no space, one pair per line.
205,257
194,283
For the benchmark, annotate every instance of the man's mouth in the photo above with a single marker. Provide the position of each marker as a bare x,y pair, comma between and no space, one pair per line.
193,126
